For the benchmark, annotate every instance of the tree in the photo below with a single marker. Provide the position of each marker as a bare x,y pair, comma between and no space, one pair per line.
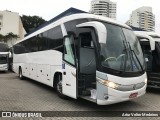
31,22
9,36
1,38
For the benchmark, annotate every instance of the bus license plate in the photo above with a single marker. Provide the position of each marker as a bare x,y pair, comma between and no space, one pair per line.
133,95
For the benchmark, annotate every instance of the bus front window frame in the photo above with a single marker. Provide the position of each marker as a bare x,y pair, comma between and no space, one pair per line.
125,56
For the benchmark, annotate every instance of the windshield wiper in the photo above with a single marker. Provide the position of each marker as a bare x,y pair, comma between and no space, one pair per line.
131,55
135,56
125,49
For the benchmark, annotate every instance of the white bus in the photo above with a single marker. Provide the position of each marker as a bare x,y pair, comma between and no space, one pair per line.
150,43
84,55
4,56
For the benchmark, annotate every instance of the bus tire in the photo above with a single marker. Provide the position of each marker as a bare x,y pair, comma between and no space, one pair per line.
58,86
21,77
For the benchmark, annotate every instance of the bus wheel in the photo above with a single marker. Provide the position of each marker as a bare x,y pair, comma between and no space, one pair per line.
59,87
20,74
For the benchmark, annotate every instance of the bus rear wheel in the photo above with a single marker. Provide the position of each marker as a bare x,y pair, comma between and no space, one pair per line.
58,87
21,77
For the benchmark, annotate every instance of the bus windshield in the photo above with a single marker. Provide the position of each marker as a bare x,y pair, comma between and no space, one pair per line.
4,47
122,51
3,59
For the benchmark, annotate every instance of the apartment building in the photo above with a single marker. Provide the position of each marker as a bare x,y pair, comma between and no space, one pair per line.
104,7
142,18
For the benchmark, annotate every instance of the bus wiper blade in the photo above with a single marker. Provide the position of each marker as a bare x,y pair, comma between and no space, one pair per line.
136,57
131,55
125,57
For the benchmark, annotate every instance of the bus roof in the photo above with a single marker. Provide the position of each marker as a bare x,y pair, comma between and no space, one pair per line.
149,36
74,17
70,11
148,33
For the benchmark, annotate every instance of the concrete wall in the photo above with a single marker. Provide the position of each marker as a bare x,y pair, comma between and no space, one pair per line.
11,22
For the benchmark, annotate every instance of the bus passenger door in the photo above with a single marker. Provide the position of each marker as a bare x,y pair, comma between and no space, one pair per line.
146,48
69,81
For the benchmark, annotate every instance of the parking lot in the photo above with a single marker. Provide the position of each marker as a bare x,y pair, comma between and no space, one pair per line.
28,95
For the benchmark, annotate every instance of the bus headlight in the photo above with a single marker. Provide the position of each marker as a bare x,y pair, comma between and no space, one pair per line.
112,85
108,83
145,81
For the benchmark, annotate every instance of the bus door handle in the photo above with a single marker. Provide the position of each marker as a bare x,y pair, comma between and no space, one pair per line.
68,84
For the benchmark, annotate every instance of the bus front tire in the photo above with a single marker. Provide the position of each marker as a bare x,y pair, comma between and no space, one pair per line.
58,87
21,77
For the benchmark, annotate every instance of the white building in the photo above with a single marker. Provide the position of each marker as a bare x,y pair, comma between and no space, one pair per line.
10,22
104,8
142,18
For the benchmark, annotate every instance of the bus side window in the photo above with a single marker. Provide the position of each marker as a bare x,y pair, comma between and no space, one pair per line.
69,51
42,41
145,45
147,53
55,39
86,40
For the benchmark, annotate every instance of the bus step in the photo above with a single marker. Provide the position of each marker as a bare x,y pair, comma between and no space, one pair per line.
86,93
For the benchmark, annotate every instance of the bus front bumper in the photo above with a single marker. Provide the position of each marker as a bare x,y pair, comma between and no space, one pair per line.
4,67
115,96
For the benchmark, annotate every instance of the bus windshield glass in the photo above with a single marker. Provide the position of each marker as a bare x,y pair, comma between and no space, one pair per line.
122,51
4,47
3,59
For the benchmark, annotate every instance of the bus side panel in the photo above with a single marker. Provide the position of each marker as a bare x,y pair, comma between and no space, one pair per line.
40,66
48,74
39,73
43,74
26,70
15,67
19,61
33,71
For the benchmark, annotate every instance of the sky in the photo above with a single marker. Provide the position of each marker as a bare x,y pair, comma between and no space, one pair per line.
47,9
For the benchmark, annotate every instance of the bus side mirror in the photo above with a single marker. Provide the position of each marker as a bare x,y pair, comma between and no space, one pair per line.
100,28
10,55
146,60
